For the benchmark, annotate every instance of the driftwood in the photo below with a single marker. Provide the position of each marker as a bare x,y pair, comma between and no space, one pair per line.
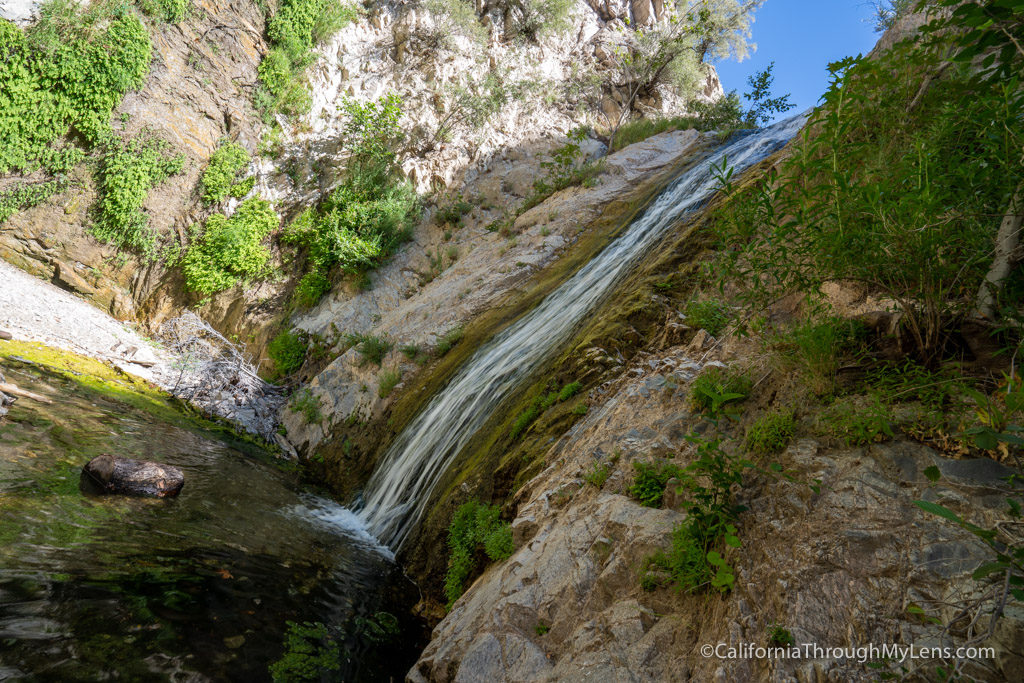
108,474
15,391
4,334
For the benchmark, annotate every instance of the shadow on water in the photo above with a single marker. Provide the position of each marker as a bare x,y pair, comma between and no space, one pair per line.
200,587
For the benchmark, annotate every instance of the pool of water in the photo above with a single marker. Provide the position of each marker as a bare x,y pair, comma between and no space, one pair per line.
200,587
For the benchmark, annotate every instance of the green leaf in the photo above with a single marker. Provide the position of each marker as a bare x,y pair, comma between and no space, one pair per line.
932,474
988,569
733,541
937,509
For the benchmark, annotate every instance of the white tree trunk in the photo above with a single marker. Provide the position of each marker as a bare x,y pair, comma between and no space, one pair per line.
1007,241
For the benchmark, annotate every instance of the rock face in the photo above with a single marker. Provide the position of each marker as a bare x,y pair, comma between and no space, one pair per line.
838,569
132,477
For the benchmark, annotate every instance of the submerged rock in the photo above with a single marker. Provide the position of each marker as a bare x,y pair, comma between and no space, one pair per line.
132,477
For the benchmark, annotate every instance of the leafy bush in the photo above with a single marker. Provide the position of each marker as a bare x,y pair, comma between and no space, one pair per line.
230,249
70,69
309,652
858,422
716,387
710,315
288,351
387,381
598,475
771,433
569,390
171,11
449,339
452,212
648,485
293,32
780,636
220,174
127,173
566,168
311,288
908,380
817,347
370,348
26,195
696,559
475,526
308,403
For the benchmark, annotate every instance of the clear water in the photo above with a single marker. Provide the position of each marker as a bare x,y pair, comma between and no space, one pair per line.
400,487
189,589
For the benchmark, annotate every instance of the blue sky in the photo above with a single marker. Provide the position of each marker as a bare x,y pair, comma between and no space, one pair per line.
801,37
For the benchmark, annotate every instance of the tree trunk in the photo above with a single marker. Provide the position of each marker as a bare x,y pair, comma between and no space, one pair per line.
1007,241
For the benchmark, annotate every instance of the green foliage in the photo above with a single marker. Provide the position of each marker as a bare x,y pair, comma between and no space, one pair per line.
371,348
387,381
230,249
640,129
288,351
69,70
309,652
717,387
580,408
128,171
780,636
535,19
219,177
696,559
858,421
371,128
648,485
171,11
474,527
816,347
907,380
449,339
569,390
771,433
26,195
307,403
763,106
311,288
567,167
293,32
897,188
541,629
709,315
452,212
540,403
598,475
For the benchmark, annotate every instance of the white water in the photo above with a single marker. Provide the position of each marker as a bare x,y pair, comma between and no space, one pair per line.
397,493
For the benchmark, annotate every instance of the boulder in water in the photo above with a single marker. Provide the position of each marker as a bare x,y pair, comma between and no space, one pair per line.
132,477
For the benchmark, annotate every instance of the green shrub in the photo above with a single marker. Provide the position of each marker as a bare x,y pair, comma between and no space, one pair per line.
710,315
453,212
716,387
566,168
387,381
696,559
770,433
70,69
449,339
598,475
858,422
171,11
26,195
817,347
541,629
636,131
311,288
371,349
308,404
648,485
780,636
475,526
230,249
908,380
288,351
525,419
309,652
227,162
580,409
128,171
569,390
293,32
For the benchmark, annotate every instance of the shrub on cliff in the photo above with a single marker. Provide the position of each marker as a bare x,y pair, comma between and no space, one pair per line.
474,527
219,177
230,249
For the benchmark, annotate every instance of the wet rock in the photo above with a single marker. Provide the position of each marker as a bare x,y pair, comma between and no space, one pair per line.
110,474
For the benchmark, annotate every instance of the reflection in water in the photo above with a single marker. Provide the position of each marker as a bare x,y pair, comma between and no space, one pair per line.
194,588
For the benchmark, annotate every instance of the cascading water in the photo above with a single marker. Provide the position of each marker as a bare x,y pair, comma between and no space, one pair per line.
397,493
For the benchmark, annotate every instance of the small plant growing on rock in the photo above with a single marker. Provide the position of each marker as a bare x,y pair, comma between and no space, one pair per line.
452,213
860,423
475,526
648,485
387,381
780,636
598,475
219,177
371,349
309,652
288,351
541,629
309,405
569,390
716,387
711,316
449,339
770,433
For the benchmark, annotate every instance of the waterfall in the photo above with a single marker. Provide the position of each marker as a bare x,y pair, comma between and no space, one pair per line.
398,491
